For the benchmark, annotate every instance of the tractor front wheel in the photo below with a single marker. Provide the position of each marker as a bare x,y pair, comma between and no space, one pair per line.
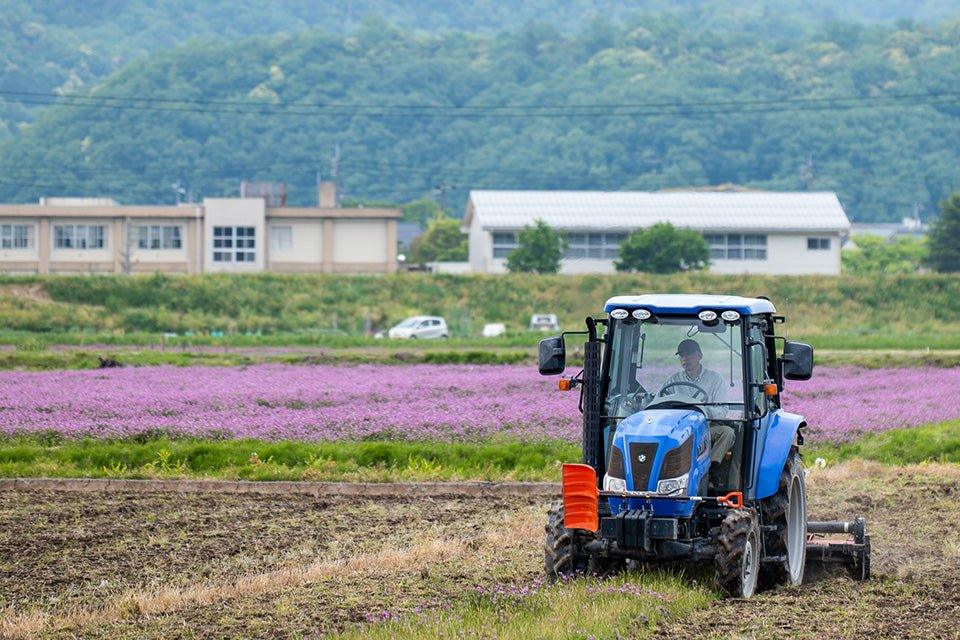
564,553
738,554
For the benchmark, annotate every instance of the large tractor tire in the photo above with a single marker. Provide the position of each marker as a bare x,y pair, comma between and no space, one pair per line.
786,511
564,554
738,554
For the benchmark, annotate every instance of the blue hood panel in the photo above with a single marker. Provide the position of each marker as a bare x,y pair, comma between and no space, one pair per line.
662,430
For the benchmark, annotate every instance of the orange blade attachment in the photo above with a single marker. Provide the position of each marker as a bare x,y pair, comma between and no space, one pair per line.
581,499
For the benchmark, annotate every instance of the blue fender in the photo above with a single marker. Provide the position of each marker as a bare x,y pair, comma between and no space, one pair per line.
782,430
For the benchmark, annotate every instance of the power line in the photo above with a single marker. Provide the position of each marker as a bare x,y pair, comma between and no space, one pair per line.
489,107
684,109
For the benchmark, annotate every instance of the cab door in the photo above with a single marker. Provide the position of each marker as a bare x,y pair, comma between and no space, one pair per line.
761,407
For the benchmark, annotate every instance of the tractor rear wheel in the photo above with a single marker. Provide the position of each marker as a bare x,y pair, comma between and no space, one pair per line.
786,510
738,554
564,553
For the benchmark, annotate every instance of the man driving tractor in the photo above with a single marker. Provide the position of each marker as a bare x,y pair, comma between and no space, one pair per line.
722,436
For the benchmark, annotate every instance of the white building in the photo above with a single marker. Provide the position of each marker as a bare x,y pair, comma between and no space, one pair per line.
748,231
238,235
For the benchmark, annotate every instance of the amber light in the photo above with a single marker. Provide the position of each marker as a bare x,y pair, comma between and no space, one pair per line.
565,384
770,390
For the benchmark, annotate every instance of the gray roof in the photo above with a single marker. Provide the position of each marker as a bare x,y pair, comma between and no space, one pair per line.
625,210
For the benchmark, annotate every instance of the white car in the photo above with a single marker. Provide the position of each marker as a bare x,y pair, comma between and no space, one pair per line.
544,322
420,328
494,329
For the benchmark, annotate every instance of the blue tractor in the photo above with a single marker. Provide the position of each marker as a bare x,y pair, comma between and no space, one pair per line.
688,454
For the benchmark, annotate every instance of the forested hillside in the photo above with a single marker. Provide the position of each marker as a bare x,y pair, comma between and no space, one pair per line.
871,112
63,45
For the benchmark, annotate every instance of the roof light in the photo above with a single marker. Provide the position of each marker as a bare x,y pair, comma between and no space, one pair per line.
730,315
619,314
641,314
707,316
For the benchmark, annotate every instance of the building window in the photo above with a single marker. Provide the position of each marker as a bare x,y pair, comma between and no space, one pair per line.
594,245
818,244
79,236
737,246
16,236
281,238
157,236
503,243
234,244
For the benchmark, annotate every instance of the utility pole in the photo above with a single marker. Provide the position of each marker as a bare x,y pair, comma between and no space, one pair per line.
806,173
127,252
335,169
441,191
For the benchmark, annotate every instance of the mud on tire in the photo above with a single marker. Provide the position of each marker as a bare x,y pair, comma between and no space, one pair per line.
737,559
564,554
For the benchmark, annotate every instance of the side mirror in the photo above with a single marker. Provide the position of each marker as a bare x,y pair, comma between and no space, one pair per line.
797,361
553,356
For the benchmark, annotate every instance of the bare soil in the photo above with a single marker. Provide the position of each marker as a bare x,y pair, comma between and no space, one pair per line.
207,565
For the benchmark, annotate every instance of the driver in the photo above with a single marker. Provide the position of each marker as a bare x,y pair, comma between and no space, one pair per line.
722,436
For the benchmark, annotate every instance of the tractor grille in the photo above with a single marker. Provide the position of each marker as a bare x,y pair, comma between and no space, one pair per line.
641,462
677,461
615,464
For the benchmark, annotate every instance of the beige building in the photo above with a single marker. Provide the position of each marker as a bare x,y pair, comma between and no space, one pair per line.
237,235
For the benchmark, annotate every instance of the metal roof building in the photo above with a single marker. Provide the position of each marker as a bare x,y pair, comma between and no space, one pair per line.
748,231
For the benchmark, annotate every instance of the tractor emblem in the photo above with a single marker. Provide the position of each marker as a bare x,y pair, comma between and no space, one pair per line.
642,457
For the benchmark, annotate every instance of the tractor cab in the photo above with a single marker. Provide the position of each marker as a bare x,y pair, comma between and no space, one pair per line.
687,451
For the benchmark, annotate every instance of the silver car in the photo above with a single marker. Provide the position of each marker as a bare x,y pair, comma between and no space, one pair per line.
420,328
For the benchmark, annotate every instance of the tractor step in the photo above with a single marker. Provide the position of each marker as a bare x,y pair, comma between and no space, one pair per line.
854,554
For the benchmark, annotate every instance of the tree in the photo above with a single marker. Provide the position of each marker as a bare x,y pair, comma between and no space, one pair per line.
945,237
873,254
441,242
421,211
663,248
539,250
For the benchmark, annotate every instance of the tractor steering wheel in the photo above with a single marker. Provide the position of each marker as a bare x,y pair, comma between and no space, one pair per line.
698,390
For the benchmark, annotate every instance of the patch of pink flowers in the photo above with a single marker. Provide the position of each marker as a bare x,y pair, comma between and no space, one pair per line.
446,402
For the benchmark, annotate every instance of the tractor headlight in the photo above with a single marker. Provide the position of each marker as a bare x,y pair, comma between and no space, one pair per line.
673,486
614,484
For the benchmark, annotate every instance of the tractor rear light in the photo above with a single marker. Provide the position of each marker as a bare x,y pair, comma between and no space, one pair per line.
581,499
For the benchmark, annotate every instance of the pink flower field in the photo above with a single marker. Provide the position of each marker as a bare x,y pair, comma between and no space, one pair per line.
446,402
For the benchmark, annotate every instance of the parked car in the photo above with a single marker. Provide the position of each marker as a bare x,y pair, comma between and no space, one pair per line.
544,322
420,328
493,330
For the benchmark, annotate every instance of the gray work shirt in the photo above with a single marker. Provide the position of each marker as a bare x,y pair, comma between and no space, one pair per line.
710,381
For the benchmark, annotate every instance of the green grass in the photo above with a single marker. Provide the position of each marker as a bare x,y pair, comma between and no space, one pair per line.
631,606
896,311
83,359
384,461
369,461
928,443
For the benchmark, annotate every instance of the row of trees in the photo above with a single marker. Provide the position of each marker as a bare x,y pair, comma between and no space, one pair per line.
663,248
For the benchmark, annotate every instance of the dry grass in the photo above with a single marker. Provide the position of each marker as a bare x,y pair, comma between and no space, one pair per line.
384,563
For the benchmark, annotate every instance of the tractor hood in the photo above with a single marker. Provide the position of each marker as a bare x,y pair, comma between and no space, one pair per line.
662,424
662,444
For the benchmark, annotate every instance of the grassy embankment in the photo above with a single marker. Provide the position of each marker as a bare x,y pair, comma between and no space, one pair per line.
381,461
895,312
